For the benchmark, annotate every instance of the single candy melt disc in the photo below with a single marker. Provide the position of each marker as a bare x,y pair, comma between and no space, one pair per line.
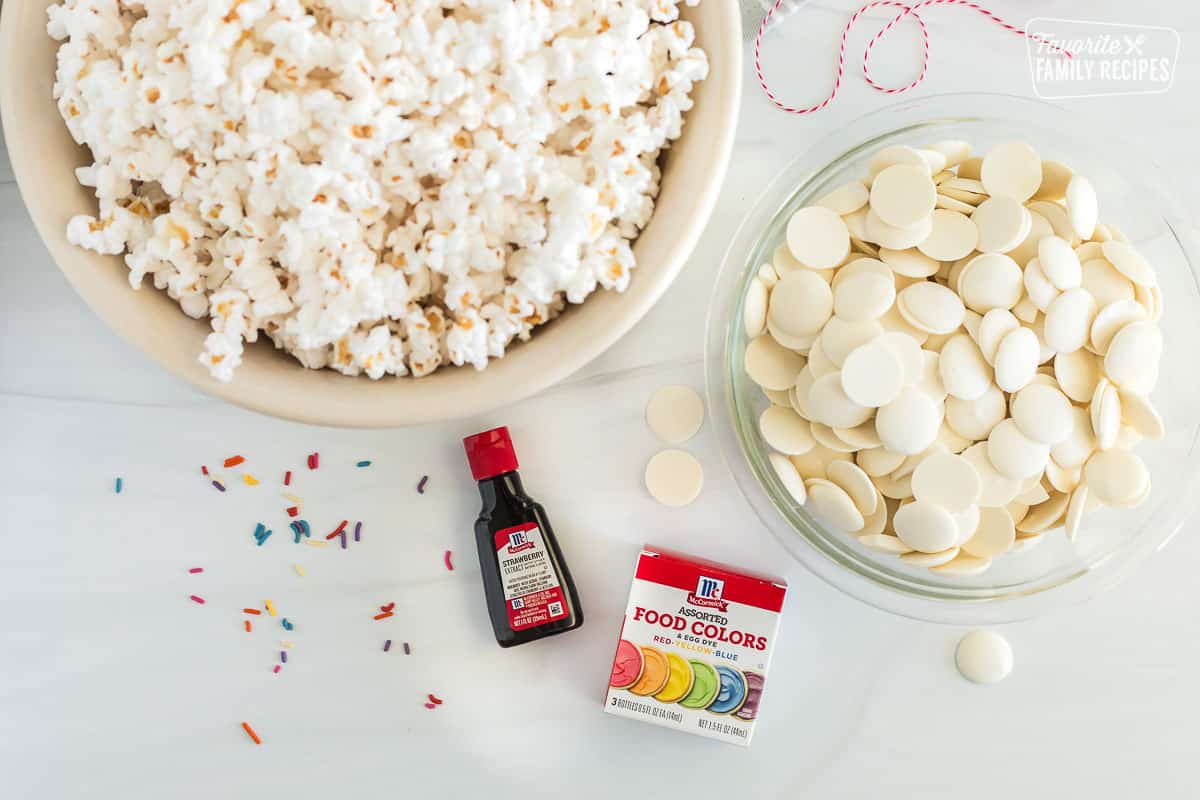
674,478
675,413
984,657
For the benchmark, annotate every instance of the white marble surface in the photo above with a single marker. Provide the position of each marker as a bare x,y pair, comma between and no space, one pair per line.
114,685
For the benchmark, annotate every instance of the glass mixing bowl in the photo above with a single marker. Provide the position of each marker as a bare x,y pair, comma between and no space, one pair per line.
1056,572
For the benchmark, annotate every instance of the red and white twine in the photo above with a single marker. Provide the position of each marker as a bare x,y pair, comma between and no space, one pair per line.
906,10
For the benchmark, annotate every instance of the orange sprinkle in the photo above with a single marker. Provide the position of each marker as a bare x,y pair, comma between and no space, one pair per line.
384,615
254,611
251,733
248,626
233,461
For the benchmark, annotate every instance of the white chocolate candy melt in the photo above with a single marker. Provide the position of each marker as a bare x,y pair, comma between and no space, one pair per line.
959,358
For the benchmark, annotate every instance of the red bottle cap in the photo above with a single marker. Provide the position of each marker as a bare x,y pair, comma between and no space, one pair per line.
490,453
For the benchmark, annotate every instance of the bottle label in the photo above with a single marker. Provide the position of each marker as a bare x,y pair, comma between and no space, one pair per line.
533,594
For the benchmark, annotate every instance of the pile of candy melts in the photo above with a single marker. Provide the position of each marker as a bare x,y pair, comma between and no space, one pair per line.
958,355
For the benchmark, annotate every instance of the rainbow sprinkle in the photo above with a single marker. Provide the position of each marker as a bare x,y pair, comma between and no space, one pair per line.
120,483
337,531
287,626
250,732
301,529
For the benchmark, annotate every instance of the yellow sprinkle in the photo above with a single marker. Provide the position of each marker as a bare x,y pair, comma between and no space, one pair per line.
286,644
250,479
316,542
270,608
299,570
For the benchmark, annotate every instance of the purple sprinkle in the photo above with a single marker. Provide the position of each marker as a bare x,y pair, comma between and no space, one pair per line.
283,656
357,531
218,485
421,485
343,536
406,650
387,645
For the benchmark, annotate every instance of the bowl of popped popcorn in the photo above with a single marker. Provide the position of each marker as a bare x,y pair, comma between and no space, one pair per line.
370,213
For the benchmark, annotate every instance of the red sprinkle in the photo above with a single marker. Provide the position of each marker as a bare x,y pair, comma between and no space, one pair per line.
196,599
337,530
434,699
287,478
293,511
253,611
314,460
251,732
203,470
430,705
384,615
249,627
388,607
276,670
449,563
233,461
194,570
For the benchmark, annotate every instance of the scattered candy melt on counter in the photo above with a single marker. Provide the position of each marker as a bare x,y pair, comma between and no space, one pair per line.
674,414
984,657
958,356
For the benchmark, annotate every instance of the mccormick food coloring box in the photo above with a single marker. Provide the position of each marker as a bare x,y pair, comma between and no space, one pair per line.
695,646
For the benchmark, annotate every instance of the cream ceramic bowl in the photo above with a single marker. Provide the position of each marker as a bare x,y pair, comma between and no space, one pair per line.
44,158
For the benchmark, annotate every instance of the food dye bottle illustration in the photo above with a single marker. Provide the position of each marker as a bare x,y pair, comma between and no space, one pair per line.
530,594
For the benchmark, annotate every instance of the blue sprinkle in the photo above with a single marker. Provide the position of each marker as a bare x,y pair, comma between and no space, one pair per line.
298,530
363,464
261,534
287,626
120,483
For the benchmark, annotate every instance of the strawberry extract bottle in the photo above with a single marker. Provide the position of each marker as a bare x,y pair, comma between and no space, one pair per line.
530,594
